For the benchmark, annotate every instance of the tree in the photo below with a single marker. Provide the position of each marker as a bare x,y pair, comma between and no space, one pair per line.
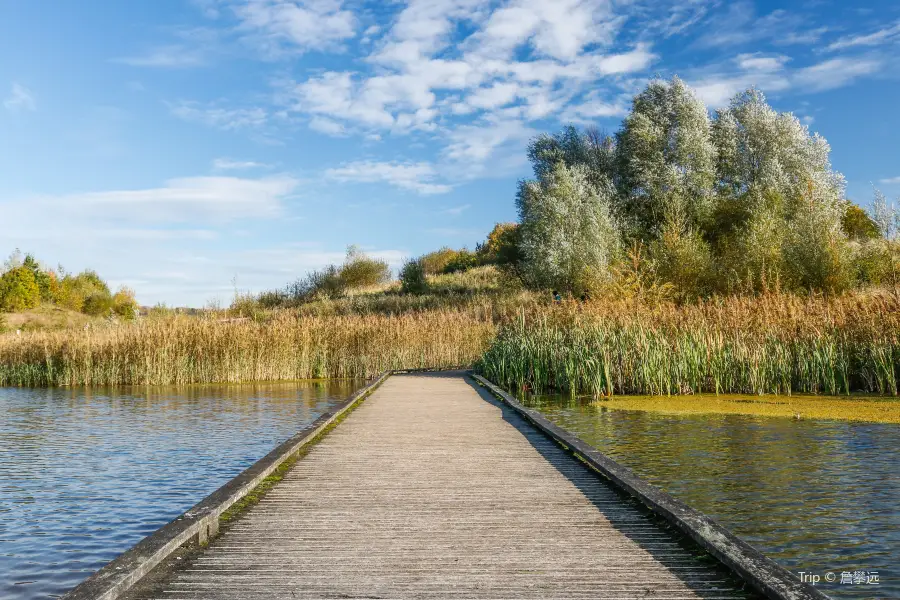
361,271
74,290
503,248
878,258
569,236
666,159
751,256
18,290
858,225
14,261
463,261
124,304
412,277
435,262
45,280
683,259
98,305
592,149
326,283
763,151
886,217
816,252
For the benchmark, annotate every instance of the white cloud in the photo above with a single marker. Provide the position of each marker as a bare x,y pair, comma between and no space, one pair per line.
209,8
594,106
559,29
279,26
890,181
20,98
336,95
144,234
523,61
228,119
740,25
174,56
187,199
717,90
458,210
417,177
877,38
761,62
771,74
226,164
682,16
423,28
477,142
835,73
327,126
637,59
140,234
495,96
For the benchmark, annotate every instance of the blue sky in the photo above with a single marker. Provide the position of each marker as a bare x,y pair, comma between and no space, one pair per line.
180,146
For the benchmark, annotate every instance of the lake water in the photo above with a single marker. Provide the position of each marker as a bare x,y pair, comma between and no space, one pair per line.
85,474
816,496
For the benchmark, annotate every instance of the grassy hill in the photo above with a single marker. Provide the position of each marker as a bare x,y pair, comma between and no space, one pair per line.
44,317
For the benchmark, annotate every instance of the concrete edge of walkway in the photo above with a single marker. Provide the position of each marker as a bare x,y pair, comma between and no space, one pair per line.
759,571
201,522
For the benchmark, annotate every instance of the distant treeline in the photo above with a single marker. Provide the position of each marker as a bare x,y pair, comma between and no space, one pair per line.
25,283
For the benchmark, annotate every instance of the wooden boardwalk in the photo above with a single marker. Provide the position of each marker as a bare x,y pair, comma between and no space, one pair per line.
433,489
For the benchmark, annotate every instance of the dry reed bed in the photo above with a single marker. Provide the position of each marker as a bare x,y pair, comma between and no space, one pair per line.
770,344
181,350
776,344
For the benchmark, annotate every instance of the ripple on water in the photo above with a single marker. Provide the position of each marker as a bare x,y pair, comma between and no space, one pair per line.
816,496
86,473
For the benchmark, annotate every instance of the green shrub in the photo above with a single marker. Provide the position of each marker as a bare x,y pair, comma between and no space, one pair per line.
124,305
46,280
877,262
490,250
68,295
751,259
326,283
858,225
816,252
361,271
98,304
272,299
504,249
684,260
73,292
18,290
463,261
412,277
435,262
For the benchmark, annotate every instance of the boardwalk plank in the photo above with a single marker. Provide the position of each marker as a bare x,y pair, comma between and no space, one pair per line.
430,489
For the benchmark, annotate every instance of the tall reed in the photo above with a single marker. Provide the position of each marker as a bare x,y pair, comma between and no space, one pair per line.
178,350
770,344
779,345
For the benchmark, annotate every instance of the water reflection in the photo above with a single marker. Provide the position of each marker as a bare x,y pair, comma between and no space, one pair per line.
86,473
816,496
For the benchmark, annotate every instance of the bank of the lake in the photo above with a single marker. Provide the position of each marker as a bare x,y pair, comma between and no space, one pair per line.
816,495
872,409
85,473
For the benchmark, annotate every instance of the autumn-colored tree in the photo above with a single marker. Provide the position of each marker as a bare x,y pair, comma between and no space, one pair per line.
18,290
